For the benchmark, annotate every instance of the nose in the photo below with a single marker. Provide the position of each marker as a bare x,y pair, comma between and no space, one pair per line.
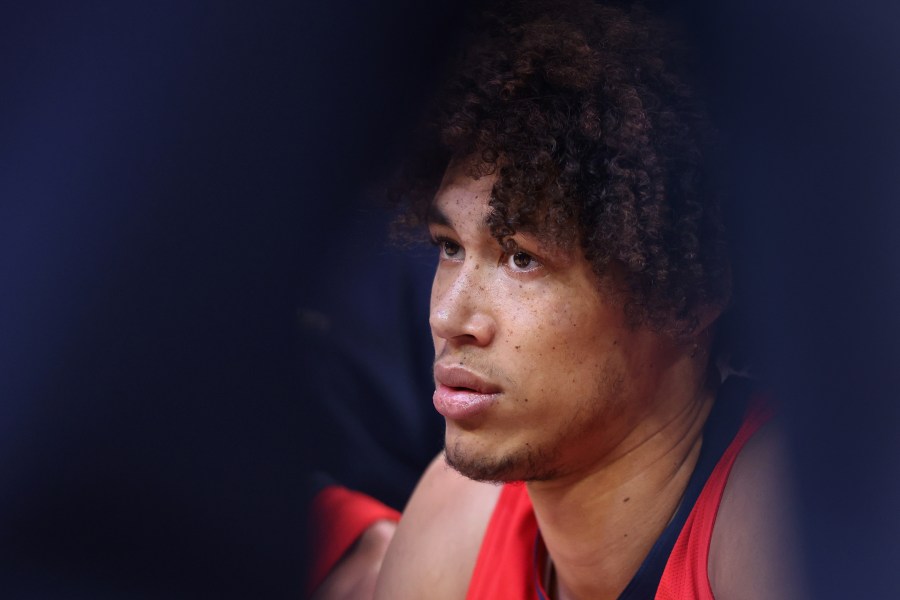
461,307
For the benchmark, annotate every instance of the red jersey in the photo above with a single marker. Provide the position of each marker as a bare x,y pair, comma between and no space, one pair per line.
512,554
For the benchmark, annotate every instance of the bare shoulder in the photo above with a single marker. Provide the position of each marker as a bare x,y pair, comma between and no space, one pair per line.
434,550
754,552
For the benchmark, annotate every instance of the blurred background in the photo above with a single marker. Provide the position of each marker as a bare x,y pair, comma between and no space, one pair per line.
173,178
182,184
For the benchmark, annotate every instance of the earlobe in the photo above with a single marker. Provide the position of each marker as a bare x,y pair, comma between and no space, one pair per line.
704,331
700,344
707,316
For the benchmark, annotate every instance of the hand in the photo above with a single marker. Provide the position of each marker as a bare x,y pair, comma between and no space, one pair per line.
354,577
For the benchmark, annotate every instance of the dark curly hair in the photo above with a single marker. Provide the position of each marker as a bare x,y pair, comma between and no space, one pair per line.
583,113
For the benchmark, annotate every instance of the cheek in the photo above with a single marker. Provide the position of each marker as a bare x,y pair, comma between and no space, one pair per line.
569,325
570,344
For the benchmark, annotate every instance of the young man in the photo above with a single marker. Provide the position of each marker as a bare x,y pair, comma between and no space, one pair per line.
581,273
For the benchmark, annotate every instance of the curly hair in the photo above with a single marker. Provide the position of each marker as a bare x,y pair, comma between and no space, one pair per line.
583,113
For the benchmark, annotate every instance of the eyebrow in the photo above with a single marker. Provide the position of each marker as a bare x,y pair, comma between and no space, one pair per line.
436,216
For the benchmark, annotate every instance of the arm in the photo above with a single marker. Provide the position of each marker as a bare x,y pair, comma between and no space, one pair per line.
753,552
354,577
436,544
351,532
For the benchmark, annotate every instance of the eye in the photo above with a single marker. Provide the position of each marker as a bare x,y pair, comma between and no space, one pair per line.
522,262
448,249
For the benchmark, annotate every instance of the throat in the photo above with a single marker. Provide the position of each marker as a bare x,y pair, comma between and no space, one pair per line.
599,529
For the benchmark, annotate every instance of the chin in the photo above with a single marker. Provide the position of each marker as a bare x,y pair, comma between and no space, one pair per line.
523,464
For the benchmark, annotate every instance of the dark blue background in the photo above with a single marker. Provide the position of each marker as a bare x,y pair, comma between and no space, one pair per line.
808,94
172,174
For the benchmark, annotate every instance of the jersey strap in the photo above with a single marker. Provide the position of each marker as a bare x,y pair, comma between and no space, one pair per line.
686,574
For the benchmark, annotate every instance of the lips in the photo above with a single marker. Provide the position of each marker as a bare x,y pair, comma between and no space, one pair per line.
458,377
461,394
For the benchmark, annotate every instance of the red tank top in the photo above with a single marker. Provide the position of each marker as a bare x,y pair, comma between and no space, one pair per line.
508,561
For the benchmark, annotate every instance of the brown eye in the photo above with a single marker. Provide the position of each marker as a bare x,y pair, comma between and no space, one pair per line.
522,260
450,248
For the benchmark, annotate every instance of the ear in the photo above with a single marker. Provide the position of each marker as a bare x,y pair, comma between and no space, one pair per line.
707,317
700,341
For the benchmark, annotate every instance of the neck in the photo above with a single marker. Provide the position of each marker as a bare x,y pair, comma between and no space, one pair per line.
600,523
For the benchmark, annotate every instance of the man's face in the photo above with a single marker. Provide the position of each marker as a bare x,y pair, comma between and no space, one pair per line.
536,372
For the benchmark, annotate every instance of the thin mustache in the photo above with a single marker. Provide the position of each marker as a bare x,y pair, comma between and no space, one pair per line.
478,367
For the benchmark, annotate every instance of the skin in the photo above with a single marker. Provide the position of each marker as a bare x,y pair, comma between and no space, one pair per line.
354,577
603,421
579,388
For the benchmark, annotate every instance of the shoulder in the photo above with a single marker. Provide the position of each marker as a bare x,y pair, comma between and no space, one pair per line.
436,544
753,551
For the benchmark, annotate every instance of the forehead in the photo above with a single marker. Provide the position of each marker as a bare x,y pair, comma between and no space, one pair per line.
463,201
462,204
461,195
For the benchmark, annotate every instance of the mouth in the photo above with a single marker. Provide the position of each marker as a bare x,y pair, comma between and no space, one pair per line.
460,394
459,379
